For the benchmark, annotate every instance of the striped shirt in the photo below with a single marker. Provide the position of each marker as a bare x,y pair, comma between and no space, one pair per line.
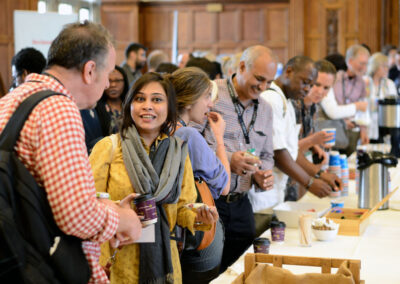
52,147
234,140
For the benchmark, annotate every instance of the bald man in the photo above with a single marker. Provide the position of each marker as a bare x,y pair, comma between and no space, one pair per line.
248,126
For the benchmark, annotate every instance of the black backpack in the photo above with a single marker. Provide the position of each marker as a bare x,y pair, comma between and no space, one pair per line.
28,231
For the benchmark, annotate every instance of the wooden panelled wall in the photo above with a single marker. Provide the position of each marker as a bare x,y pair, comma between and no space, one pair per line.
311,27
236,27
229,31
333,25
7,8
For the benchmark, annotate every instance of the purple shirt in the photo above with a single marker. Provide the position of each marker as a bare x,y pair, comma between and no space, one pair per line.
354,88
205,163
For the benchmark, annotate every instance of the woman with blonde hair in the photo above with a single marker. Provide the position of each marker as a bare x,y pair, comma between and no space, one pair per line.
378,86
193,94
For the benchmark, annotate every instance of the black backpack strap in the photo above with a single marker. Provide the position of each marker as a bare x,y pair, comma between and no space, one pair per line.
11,131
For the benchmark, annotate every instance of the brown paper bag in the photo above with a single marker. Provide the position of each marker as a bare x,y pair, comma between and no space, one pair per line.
266,274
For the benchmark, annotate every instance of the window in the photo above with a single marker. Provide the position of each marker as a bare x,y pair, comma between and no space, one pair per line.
42,7
64,9
84,14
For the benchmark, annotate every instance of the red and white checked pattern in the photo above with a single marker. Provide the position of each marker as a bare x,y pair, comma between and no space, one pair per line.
52,147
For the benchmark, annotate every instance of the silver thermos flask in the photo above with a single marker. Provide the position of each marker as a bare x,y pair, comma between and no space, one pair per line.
373,177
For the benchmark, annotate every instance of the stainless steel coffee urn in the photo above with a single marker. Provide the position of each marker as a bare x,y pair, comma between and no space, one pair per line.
389,122
373,179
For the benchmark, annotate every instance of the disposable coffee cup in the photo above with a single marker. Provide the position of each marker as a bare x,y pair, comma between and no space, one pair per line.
343,161
337,203
330,142
146,207
278,231
261,245
334,159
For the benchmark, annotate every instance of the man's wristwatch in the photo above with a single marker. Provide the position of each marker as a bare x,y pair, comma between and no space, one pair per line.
319,173
310,182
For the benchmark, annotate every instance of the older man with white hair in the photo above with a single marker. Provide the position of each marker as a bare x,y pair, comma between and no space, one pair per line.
350,88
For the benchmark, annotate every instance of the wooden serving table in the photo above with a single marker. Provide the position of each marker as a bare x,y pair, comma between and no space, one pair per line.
378,247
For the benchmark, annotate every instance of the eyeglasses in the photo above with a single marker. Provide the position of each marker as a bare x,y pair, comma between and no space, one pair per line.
116,81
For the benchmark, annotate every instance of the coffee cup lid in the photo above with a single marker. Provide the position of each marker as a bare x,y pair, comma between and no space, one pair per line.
142,198
262,241
278,224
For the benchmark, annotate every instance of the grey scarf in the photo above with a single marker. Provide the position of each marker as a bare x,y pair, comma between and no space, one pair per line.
142,174
159,174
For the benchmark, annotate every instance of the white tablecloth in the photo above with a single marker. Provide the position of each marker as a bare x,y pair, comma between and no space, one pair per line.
378,248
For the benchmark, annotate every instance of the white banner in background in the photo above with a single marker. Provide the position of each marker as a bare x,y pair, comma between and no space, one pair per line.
32,29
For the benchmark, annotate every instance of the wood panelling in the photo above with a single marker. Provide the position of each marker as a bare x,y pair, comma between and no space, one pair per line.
121,18
204,28
227,33
296,27
276,19
358,21
390,22
233,29
7,8
252,25
185,32
289,27
370,23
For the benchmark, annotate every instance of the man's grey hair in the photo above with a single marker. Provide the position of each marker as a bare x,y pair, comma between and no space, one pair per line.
354,50
78,43
155,58
251,54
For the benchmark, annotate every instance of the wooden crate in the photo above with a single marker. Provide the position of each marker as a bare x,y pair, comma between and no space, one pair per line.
352,221
326,264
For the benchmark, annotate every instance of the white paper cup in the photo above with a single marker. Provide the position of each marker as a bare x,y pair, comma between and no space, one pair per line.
331,142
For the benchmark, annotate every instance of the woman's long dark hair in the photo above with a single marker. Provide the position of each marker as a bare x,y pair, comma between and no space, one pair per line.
163,80
104,116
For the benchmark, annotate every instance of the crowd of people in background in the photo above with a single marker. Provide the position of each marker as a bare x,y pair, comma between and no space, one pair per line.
250,131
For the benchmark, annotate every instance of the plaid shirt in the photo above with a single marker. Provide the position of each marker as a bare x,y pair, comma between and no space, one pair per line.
260,135
52,147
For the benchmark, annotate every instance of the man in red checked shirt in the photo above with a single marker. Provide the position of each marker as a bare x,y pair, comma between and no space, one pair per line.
52,141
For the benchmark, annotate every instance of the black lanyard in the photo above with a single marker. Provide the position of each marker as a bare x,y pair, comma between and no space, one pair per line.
347,99
49,75
237,105
182,122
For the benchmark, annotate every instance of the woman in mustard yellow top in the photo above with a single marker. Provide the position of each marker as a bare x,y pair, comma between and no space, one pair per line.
144,159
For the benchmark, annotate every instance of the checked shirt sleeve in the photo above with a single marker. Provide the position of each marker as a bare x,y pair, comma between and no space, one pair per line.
62,163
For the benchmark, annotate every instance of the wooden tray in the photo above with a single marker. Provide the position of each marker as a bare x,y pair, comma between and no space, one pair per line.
353,222
326,264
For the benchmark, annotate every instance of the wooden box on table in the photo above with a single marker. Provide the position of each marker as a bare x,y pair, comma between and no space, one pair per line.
352,222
